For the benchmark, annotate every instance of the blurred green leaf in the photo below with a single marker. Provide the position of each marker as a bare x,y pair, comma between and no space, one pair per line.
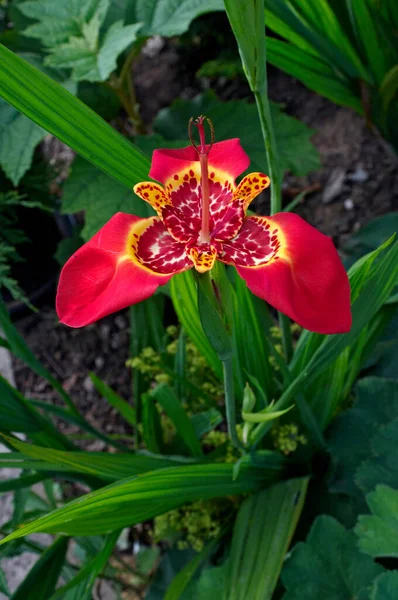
82,583
328,565
365,418
137,499
174,410
385,586
378,532
70,120
90,59
59,21
381,466
123,407
68,246
42,578
162,17
239,118
3,584
19,135
89,189
184,577
146,559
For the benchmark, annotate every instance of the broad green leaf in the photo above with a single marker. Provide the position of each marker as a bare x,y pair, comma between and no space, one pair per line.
19,137
370,237
89,189
137,499
87,575
238,118
263,530
328,565
90,59
381,467
378,532
173,408
385,586
42,578
168,17
123,407
58,21
70,120
365,418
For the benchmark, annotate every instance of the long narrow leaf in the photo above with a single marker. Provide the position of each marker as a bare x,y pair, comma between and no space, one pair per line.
172,406
56,110
137,499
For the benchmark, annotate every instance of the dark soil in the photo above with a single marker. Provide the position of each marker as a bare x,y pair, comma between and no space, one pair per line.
367,177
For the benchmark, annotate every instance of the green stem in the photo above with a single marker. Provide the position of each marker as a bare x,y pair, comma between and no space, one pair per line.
267,130
284,323
230,407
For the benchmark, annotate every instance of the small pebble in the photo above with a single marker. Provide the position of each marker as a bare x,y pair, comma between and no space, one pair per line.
99,362
334,186
359,175
88,385
348,204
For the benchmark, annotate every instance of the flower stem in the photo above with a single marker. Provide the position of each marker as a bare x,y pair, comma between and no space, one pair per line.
270,148
230,407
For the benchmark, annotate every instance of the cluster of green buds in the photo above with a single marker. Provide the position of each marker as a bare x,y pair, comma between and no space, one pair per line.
287,437
192,525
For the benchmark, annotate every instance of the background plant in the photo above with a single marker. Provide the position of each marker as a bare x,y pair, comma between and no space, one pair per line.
345,50
179,455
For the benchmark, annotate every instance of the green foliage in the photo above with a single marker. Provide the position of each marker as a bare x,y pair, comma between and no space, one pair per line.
240,119
262,533
378,533
67,118
385,586
19,135
165,17
71,31
328,565
89,189
126,501
334,48
365,418
41,580
380,466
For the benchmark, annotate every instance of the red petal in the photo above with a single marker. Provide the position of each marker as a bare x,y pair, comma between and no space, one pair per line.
103,276
227,156
305,279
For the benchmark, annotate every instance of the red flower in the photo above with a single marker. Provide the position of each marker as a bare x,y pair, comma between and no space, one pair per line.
201,218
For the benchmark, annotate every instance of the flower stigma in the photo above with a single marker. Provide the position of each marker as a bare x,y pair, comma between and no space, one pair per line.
203,152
